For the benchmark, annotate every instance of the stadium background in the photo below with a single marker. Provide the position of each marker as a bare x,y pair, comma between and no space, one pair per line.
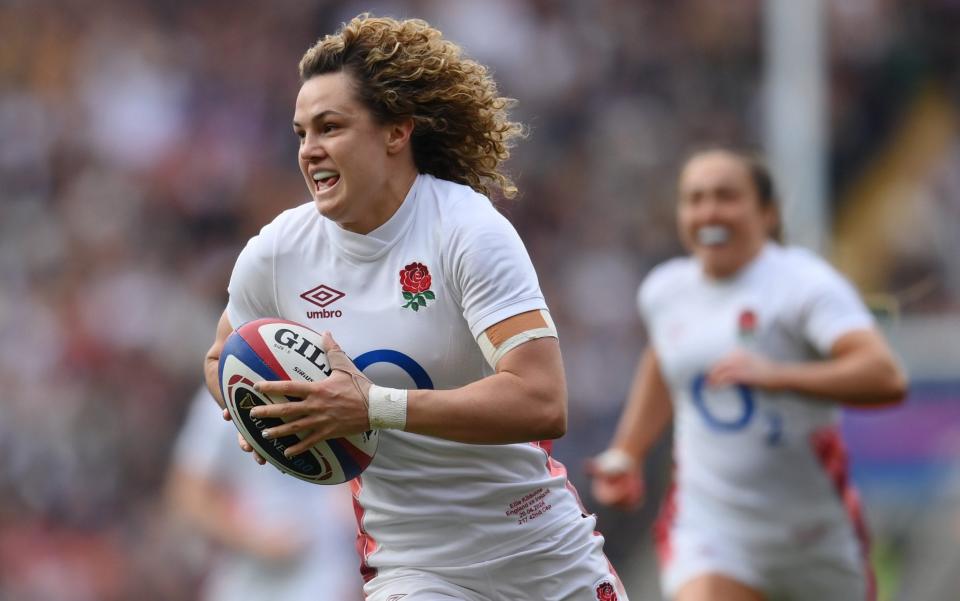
143,141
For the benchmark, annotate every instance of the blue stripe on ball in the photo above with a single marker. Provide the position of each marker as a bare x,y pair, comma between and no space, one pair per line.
239,348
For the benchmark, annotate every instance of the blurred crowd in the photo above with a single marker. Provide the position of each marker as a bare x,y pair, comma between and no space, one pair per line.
142,142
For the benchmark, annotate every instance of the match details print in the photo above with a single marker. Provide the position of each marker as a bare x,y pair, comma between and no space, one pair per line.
530,506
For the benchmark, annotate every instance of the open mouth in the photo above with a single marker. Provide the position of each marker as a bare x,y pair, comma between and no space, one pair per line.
713,235
324,180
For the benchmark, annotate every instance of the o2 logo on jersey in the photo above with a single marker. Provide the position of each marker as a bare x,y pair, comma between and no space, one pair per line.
737,419
726,423
419,375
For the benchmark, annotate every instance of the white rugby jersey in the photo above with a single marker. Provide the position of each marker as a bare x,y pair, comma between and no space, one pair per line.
749,460
423,501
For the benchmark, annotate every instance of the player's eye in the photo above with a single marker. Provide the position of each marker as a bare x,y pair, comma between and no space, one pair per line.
328,127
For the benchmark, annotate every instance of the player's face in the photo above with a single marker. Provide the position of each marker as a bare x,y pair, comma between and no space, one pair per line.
719,215
343,153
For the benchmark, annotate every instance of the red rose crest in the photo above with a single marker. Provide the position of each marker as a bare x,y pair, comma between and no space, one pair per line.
416,281
606,592
747,323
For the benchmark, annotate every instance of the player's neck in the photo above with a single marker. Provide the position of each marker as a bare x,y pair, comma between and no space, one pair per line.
728,270
389,200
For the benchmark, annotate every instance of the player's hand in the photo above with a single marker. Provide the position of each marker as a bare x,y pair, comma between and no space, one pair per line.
330,408
246,448
244,445
743,367
616,483
277,546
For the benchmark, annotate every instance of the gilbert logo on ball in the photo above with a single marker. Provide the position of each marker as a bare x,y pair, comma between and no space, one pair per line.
275,349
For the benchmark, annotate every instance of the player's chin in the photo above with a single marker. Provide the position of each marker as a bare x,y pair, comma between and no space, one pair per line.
330,207
712,252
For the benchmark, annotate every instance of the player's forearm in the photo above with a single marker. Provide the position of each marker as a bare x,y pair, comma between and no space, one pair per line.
211,362
525,401
211,366
499,409
862,379
205,510
647,413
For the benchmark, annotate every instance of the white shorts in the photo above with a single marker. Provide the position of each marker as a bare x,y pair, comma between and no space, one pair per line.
568,565
832,568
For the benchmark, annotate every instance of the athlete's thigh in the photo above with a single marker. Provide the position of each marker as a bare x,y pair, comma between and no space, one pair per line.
416,585
832,572
717,587
697,557
568,565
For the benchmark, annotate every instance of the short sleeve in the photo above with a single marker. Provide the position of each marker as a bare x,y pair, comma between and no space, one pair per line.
252,283
655,286
831,308
644,301
492,270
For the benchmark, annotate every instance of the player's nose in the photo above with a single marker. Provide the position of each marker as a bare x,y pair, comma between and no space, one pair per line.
708,211
311,149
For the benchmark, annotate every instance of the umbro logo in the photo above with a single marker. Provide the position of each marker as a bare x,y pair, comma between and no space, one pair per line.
322,296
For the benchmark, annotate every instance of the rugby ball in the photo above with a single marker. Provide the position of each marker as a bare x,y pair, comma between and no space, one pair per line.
275,349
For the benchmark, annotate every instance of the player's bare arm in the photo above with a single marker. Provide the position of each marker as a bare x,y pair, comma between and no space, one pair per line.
525,400
211,361
861,370
206,507
618,472
211,364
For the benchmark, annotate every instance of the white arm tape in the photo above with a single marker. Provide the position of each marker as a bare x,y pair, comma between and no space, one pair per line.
493,354
387,408
614,461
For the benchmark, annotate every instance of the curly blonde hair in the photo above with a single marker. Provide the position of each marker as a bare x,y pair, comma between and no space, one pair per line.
405,69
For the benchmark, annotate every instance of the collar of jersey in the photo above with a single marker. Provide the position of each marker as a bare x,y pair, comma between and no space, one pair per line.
745,272
373,245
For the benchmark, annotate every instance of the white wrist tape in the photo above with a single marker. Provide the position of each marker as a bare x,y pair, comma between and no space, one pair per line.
614,461
387,408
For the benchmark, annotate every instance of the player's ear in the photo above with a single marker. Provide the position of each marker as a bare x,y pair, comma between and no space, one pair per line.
398,135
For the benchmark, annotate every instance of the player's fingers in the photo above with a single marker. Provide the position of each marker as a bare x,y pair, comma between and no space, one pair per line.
625,494
293,409
292,388
287,428
245,447
720,375
629,504
307,442
226,415
328,344
338,359
607,492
